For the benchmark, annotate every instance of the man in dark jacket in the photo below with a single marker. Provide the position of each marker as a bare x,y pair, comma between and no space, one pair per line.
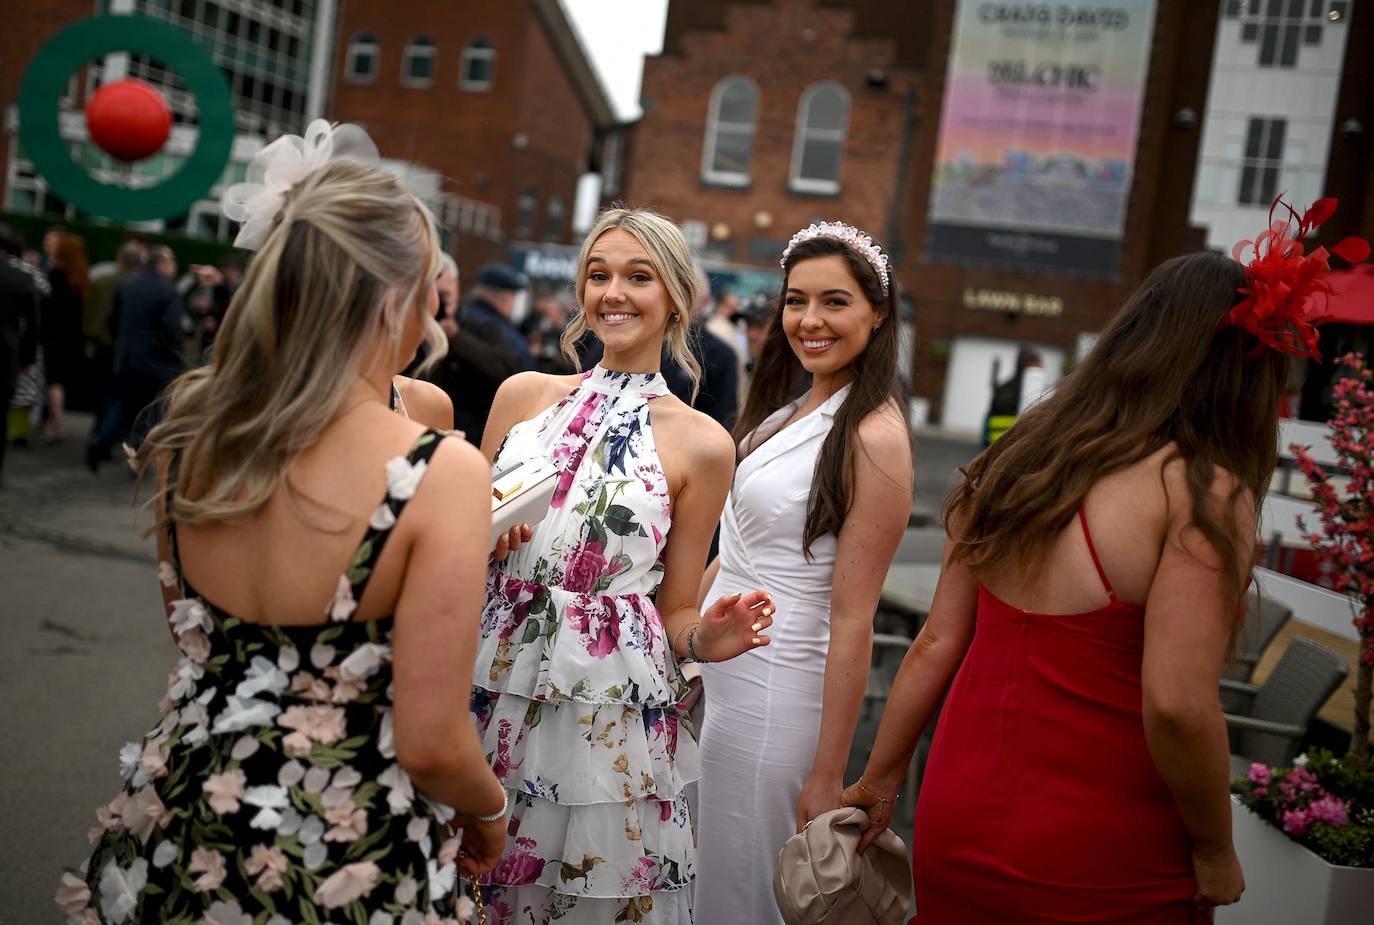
484,351
146,317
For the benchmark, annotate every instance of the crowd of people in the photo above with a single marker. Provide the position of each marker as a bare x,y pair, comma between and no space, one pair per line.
327,571
113,334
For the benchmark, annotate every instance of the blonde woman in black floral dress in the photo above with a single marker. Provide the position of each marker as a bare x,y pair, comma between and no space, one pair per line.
322,565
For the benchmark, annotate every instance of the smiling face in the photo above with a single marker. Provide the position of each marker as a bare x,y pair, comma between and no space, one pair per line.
826,316
625,300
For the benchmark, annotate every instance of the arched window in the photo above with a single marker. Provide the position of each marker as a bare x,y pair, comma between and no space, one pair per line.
478,69
730,122
822,120
363,56
417,65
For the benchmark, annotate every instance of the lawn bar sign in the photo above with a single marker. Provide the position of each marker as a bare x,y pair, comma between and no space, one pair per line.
1038,134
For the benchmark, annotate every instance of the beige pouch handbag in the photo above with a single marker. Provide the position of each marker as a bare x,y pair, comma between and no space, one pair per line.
821,879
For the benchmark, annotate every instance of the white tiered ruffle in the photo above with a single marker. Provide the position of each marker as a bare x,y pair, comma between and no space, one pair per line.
575,696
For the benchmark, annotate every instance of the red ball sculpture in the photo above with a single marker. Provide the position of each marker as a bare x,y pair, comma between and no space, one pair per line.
129,119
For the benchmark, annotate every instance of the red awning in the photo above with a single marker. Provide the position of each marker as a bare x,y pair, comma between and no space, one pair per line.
1352,296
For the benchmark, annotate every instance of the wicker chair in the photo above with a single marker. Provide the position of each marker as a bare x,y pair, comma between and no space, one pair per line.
1275,715
1264,617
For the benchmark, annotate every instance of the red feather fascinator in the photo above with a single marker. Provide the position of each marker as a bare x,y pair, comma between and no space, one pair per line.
1286,288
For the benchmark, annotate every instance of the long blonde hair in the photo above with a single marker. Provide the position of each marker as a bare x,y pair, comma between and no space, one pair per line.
349,249
672,257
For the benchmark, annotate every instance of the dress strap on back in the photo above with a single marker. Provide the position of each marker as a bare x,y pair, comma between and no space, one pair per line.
1092,551
403,476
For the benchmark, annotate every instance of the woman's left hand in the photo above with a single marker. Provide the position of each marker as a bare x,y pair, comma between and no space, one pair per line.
733,625
510,541
818,796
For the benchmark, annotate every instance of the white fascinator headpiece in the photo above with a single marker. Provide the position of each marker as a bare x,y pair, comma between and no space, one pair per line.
287,161
849,235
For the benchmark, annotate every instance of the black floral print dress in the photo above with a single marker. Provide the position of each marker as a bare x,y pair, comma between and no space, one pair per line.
269,793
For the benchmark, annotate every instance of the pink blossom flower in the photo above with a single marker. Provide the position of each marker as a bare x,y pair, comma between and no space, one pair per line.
224,791
349,823
311,724
520,866
195,645
310,687
448,852
153,761
111,815
1330,810
209,863
268,865
642,878
1258,774
143,811
73,895
350,882
665,810
501,766
584,567
1296,821
345,690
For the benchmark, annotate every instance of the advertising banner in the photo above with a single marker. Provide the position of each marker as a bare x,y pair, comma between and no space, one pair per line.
1038,134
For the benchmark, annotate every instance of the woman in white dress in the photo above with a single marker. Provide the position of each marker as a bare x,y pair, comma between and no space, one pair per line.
819,503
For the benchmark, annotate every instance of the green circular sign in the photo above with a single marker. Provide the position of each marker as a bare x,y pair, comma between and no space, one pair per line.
46,78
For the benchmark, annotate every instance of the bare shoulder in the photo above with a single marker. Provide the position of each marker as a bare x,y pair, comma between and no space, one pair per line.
698,436
1226,493
883,433
425,402
529,392
455,467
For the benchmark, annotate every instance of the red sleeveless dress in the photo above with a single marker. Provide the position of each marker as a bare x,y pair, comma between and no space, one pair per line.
1040,802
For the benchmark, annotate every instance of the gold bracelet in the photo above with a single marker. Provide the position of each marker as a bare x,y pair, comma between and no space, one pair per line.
882,800
672,643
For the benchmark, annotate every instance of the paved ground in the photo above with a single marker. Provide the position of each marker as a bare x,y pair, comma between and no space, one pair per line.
86,653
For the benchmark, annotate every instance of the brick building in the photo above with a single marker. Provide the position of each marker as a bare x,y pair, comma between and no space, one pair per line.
764,115
498,101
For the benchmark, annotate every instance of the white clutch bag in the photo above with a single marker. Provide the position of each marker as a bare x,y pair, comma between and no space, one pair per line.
520,494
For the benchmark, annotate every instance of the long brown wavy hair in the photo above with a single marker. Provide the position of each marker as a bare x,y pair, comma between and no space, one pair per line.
1162,373
779,377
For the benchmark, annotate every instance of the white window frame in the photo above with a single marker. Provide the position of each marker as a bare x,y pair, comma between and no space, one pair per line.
473,51
363,42
802,133
713,124
422,46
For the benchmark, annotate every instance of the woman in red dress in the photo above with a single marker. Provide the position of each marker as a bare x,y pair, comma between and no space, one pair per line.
1090,591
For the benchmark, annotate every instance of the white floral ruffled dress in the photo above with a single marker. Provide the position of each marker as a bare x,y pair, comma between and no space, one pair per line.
575,690
269,794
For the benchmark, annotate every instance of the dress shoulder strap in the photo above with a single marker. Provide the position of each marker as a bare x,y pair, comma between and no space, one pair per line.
403,477
1092,550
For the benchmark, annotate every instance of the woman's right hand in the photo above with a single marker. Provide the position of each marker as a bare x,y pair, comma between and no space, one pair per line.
1220,880
482,845
876,799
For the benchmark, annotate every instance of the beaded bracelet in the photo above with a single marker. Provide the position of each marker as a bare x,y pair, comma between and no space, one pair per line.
691,647
499,815
882,800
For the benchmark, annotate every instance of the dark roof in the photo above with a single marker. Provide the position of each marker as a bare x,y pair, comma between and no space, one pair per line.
576,62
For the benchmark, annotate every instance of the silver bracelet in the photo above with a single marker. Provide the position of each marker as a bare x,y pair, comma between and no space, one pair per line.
500,814
691,647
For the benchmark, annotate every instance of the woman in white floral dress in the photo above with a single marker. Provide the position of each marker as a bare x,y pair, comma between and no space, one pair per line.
322,563
576,687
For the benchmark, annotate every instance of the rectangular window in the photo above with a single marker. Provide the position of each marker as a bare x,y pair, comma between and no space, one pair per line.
1263,161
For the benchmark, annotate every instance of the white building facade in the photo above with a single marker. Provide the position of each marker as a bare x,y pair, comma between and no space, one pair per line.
1271,111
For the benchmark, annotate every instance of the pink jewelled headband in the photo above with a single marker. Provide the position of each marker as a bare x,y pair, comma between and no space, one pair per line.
848,234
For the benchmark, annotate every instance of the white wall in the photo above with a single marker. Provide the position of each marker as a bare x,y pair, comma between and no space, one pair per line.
1241,89
968,385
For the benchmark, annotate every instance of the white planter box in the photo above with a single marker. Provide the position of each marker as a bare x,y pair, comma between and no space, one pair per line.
1286,884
